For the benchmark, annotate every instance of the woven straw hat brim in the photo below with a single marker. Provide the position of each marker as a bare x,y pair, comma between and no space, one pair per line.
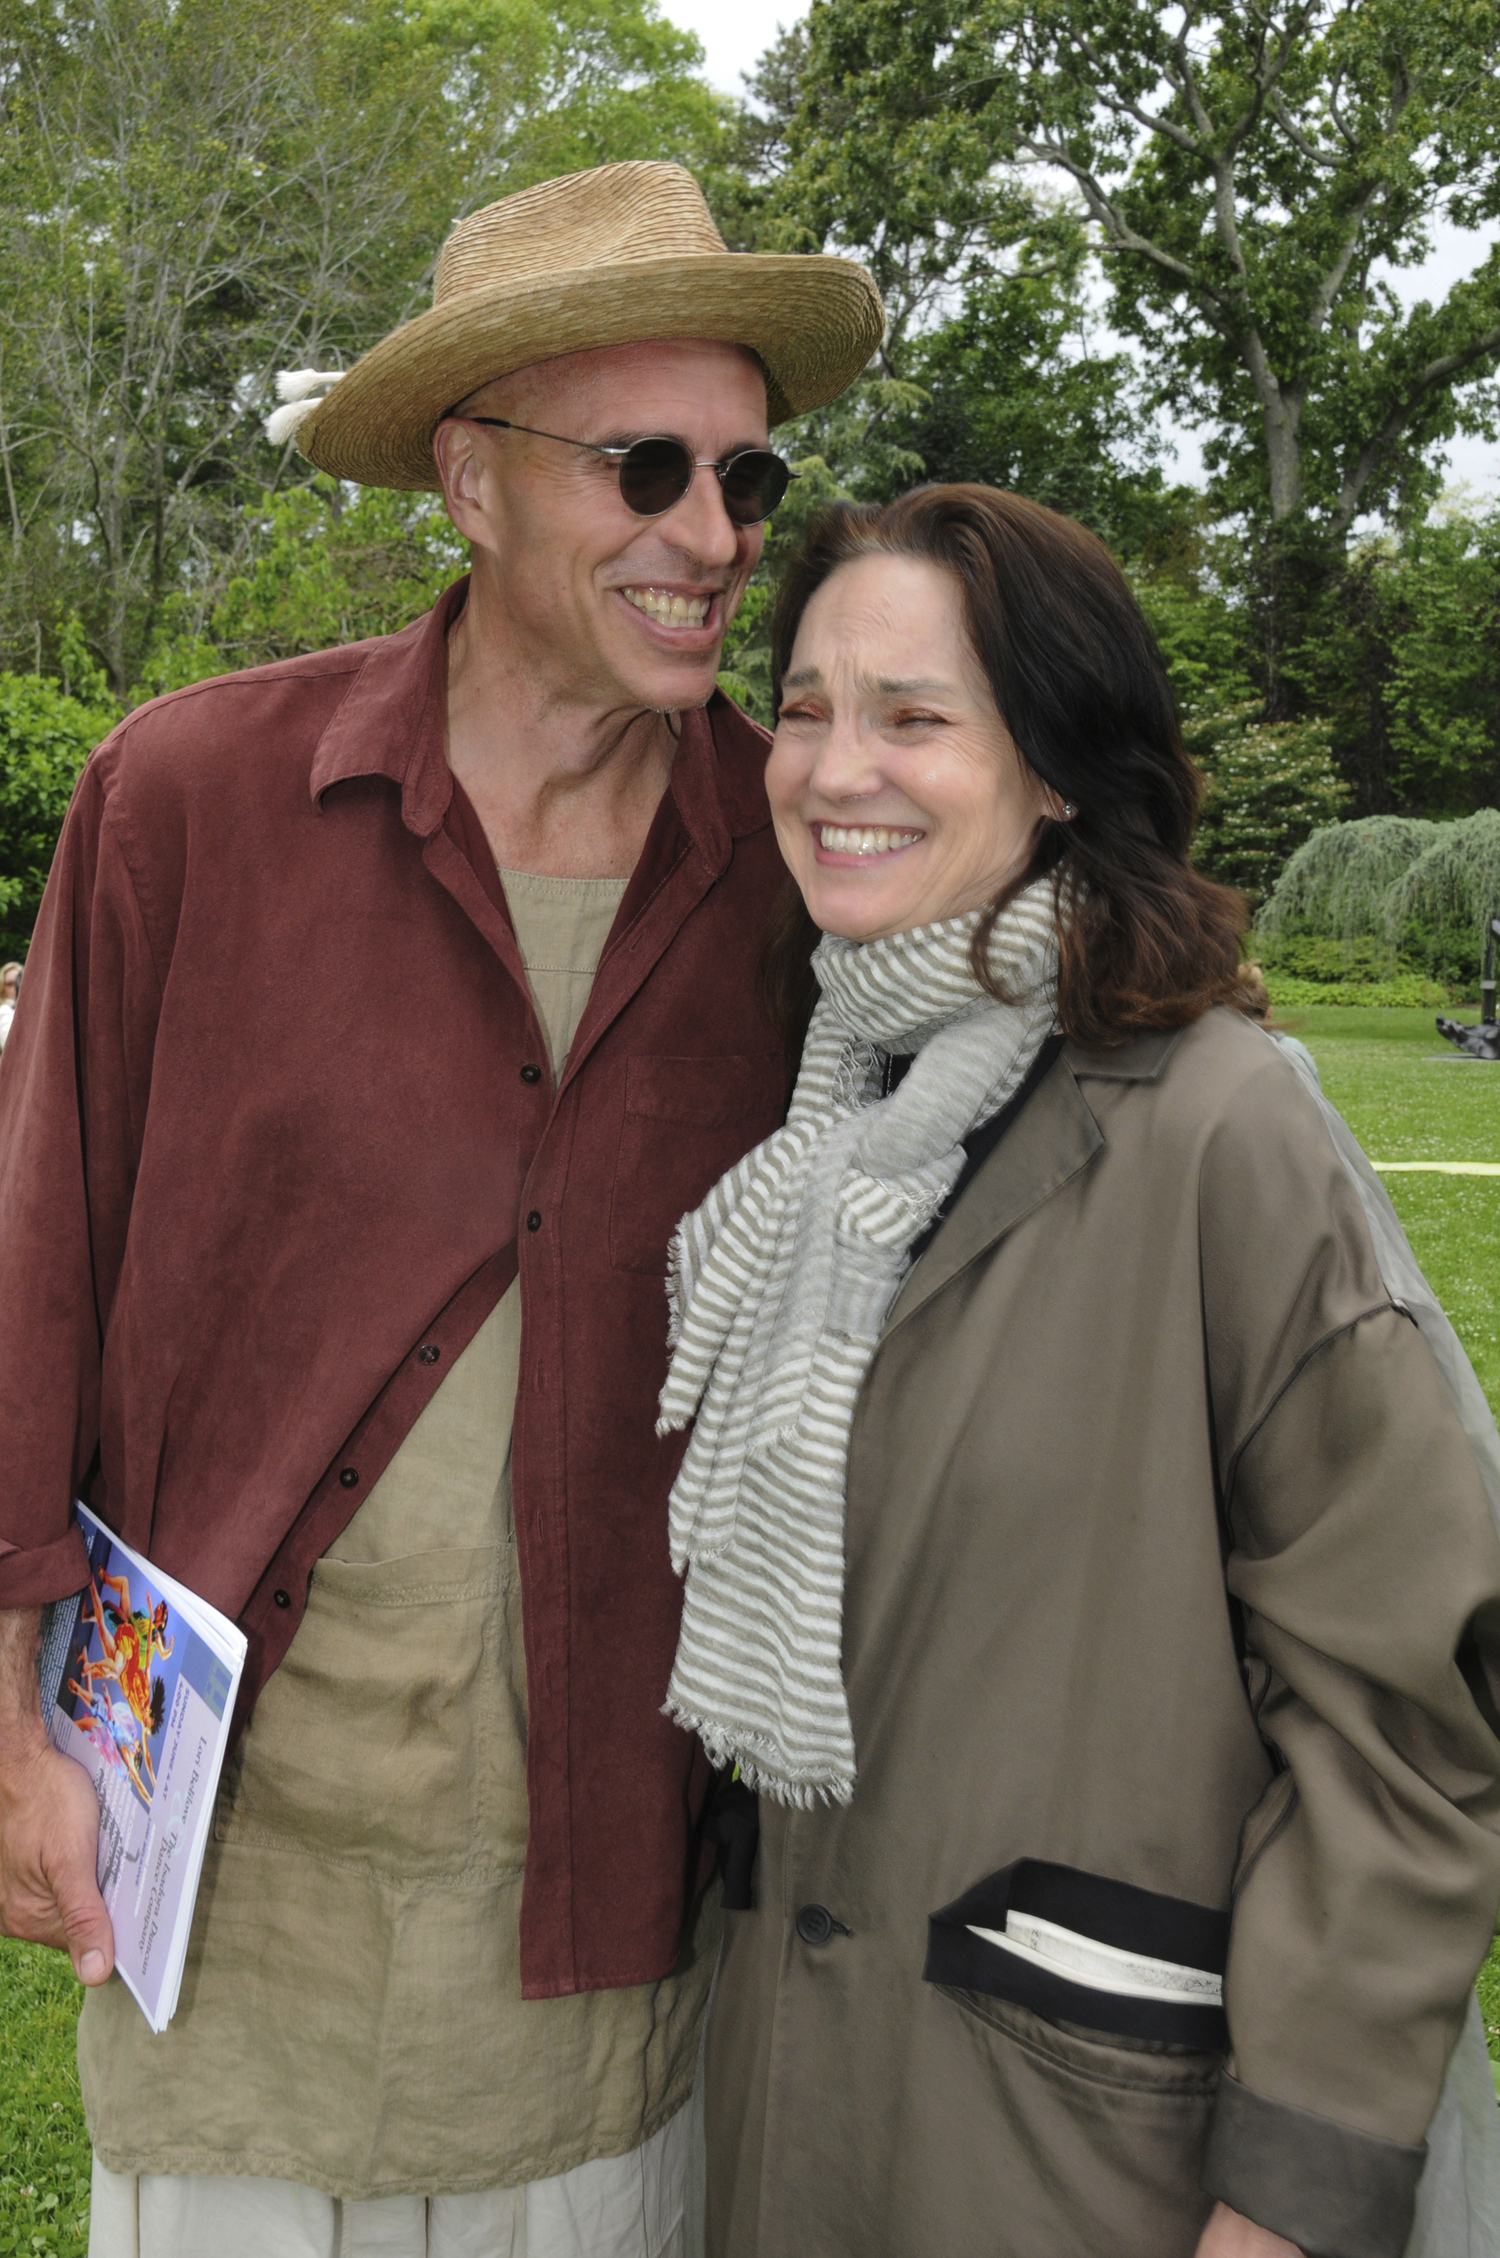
814,321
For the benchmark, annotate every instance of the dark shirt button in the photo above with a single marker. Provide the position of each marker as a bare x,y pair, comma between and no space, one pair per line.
282,1599
429,1354
534,1220
531,1074
815,1924
349,1477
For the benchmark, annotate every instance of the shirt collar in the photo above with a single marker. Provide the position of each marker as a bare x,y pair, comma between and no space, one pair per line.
391,724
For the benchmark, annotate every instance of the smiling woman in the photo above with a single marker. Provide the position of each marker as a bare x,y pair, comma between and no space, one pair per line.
1088,1556
970,671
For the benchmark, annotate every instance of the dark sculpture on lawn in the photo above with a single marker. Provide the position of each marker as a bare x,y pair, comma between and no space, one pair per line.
1482,1041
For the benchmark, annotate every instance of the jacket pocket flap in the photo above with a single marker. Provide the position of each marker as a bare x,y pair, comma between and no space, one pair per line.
1080,1948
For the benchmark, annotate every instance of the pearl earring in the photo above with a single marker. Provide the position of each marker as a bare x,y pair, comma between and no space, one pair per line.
1069,811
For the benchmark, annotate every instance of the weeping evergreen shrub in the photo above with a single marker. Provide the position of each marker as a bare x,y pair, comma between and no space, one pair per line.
1336,892
1436,908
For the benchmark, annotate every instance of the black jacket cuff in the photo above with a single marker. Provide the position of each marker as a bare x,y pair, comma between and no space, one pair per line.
1334,2192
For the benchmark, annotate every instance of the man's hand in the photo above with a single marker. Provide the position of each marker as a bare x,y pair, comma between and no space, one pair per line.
1227,2235
49,1820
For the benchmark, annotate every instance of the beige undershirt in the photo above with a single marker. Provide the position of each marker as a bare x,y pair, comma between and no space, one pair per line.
351,2013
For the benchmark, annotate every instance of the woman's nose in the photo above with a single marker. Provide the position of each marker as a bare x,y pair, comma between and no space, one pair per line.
847,766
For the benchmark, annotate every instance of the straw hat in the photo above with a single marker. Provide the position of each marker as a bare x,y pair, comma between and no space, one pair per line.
615,256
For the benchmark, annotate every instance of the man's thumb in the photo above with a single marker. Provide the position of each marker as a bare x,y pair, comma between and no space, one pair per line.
86,1925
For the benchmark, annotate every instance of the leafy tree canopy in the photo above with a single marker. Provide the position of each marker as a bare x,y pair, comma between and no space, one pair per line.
321,569
1402,652
46,735
195,193
1251,175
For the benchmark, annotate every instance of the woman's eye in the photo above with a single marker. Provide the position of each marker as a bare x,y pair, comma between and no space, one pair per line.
796,713
917,720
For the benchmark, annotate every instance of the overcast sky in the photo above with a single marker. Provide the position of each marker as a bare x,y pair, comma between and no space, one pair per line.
735,33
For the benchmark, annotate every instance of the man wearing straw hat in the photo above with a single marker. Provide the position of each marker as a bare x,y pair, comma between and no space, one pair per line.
357,1327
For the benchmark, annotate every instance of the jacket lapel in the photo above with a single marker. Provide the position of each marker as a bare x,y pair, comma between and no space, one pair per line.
1052,1140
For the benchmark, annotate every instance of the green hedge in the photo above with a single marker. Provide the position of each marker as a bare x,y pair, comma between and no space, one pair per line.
1408,991
45,738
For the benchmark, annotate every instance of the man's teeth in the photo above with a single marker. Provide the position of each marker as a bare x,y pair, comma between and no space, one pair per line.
841,840
672,611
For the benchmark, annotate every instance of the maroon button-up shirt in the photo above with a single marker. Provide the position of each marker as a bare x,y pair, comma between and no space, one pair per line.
266,1145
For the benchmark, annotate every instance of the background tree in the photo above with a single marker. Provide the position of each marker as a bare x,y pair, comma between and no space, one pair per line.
989,367
1251,175
46,734
197,192
1403,656
1268,786
1082,214
1386,891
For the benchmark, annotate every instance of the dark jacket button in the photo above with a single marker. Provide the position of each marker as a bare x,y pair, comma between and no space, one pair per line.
428,1354
531,1074
815,1924
534,1220
282,1599
349,1476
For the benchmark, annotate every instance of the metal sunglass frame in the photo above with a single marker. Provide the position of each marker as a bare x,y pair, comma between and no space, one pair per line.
618,455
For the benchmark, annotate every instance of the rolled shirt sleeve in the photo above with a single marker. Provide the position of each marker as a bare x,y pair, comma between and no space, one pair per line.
73,1086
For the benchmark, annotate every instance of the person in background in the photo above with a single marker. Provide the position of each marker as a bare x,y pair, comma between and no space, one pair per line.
10,989
1253,999
1089,1558
361,1339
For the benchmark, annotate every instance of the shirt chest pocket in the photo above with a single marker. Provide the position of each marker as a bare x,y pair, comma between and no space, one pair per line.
686,1121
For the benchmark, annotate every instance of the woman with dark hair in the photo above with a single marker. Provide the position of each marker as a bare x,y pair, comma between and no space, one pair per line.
1087,1560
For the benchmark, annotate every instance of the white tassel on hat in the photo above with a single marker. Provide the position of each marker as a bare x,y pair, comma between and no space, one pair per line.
303,389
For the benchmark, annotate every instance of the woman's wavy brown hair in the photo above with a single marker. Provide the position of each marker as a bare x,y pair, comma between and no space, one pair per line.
1079,682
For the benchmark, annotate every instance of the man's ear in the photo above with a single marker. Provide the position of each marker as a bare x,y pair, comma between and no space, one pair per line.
455,453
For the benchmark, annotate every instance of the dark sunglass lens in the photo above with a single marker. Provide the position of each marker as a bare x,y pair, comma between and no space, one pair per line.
654,474
753,485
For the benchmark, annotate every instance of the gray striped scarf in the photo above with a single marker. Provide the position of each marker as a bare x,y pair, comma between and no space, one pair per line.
780,1285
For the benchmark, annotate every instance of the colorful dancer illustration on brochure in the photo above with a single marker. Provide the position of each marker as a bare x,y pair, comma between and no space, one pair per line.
129,1639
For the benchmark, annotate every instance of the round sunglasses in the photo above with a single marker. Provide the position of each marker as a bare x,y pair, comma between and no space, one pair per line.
656,473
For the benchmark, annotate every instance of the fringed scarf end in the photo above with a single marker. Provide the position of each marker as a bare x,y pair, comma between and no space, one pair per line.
723,1749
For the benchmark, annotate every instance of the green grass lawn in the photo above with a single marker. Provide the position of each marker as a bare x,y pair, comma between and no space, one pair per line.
44,2151
1408,1095
1386,1071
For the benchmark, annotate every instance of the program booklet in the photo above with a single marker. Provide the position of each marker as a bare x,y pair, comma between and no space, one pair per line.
138,1680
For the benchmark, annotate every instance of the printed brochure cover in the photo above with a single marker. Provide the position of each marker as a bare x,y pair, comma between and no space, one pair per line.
138,1682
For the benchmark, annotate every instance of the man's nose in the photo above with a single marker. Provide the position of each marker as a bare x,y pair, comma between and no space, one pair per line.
700,523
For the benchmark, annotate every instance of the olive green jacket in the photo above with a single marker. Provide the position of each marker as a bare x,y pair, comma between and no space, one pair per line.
1173,1623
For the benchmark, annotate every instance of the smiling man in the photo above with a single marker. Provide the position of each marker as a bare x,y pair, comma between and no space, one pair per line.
351,1313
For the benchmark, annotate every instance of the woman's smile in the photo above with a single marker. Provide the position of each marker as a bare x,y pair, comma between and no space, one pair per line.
846,845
